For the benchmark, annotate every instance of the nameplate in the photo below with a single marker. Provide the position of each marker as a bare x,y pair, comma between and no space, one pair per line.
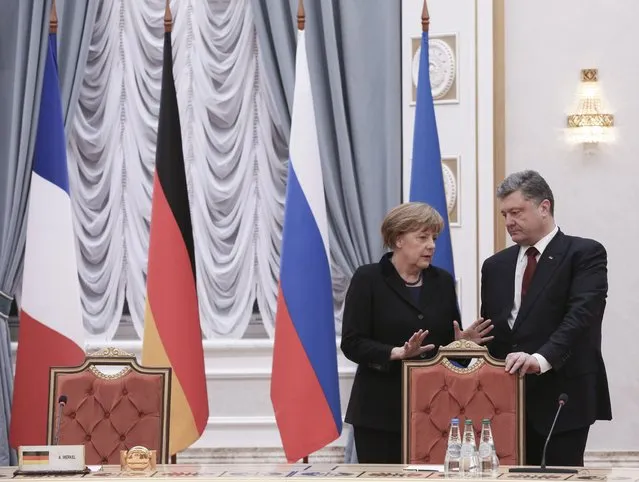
51,458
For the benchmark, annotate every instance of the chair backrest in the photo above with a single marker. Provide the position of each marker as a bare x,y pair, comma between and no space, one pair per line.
113,404
436,390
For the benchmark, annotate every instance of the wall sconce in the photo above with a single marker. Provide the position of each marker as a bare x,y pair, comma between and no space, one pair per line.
589,125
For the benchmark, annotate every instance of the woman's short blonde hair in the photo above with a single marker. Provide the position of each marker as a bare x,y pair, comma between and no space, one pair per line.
408,218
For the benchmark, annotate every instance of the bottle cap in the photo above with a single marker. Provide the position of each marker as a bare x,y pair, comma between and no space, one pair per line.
454,420
485,420
468,421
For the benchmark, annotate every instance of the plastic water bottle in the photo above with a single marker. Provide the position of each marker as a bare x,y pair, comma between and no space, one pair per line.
488,460
469,461
453,451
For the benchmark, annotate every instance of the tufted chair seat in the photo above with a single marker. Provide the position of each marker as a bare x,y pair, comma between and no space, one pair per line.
436,390
112,404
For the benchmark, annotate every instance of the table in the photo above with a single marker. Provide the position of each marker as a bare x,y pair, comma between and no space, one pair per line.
321,472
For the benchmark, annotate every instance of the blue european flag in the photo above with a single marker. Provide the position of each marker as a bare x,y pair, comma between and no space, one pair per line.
426,180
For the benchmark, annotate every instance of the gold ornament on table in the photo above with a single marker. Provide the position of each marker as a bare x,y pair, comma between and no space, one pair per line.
137,459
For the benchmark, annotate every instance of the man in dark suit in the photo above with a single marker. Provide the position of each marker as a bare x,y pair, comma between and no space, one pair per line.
546,297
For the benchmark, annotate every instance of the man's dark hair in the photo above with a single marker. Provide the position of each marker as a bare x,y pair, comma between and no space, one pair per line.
532,186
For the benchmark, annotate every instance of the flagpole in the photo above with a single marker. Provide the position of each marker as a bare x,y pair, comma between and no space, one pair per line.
53,19
301,21
168,27
425,17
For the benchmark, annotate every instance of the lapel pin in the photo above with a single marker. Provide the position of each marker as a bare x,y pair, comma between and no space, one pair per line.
550,257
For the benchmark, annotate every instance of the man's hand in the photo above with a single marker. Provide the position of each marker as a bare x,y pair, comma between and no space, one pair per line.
413,347
521,362
477,332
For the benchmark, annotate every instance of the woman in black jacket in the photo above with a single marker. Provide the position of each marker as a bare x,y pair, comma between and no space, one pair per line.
391,309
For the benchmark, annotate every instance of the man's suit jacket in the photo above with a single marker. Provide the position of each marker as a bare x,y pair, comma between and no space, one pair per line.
560,318
379,314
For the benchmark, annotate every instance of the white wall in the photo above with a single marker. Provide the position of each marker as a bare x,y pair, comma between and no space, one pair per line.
547,44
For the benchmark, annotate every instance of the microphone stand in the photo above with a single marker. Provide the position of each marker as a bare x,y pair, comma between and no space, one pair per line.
56,437
543,469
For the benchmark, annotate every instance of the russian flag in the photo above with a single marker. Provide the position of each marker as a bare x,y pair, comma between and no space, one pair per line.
51,331
426,178
304,382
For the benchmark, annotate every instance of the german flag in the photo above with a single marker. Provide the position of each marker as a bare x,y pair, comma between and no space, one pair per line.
172,334
35,457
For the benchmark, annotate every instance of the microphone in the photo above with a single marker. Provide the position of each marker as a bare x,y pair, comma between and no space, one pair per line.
62,401
563,400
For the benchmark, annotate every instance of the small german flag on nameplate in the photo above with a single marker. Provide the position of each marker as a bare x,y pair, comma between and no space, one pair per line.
51,458
35,457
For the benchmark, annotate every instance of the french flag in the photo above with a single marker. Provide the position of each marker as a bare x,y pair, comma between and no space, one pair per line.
304,382
51,331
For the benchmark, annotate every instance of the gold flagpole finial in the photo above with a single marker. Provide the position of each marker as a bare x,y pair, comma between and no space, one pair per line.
425,18
53,19
168,19
301,17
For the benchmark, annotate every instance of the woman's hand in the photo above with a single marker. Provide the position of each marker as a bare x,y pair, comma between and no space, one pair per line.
476,332
413,347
